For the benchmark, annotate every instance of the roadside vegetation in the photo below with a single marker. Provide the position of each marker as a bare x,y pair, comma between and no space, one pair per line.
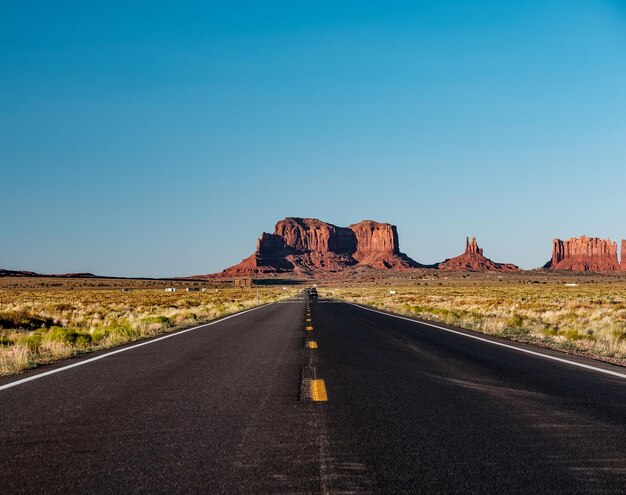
589,318
40,326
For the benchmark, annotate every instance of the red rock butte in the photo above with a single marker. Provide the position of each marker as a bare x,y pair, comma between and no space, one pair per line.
308,245
473,260
586,254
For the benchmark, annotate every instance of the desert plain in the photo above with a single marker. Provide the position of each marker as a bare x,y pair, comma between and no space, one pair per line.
47,319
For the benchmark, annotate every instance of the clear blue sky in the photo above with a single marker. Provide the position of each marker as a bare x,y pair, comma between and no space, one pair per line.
144,139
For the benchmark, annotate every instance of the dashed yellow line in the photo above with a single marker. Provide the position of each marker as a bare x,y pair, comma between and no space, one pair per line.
311,389
318,391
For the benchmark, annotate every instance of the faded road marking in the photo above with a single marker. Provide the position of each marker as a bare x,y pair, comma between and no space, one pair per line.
318,391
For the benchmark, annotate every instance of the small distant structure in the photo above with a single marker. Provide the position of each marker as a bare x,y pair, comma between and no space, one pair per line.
392,292
242,282
571,285
127,290
170,289
193,289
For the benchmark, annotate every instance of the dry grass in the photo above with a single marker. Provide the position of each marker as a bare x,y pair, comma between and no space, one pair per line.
589,318
44,325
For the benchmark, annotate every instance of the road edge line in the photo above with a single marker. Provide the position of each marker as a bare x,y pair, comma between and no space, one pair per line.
501,344
124,349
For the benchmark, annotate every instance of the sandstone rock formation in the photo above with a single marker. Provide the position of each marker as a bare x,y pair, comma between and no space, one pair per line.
377,246
307,245
585,254
473,260
622,257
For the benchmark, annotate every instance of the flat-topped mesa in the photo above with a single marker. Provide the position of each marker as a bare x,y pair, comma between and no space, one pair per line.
378,246
25,273
268,258
622,257
307,245
473,260
374,237
584,254
310,234
269,243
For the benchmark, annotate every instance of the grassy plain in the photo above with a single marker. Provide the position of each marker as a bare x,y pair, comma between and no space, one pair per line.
586,318
43,320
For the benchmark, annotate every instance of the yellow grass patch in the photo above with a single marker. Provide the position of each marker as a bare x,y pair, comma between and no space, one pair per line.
43,325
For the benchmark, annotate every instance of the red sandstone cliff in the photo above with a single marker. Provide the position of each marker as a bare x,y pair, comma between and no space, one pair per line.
585,254
377,246
473,260
307,245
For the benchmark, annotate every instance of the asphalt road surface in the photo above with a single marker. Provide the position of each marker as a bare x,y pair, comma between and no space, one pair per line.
410,409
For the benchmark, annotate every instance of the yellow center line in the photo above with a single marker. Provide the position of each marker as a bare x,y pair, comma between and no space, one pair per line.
318,391
309,328
311,344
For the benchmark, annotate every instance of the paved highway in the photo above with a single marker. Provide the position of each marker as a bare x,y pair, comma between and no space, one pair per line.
388,406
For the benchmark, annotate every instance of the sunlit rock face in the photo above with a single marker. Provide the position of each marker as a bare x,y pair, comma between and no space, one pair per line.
308,245
585,254
473,260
